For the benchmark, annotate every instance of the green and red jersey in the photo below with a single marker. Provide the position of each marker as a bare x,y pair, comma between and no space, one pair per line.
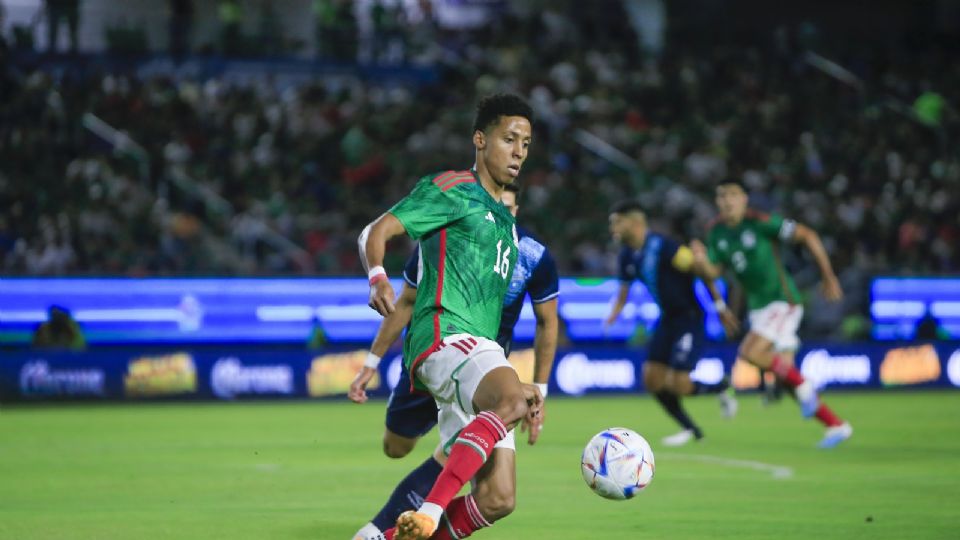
468,248
752,250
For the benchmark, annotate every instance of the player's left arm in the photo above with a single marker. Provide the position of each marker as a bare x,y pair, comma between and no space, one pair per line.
544,341
543,288
390,329
544,351
684,260
811,240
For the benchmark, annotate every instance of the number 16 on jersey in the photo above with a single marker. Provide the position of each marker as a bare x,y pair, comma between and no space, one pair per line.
502,265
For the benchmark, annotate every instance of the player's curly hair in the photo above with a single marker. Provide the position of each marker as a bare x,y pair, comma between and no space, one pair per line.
492,107
733,181
626,206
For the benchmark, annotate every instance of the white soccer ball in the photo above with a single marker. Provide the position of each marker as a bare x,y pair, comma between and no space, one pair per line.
617,463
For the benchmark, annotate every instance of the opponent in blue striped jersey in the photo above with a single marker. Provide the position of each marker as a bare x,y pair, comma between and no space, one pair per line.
410,415
667,268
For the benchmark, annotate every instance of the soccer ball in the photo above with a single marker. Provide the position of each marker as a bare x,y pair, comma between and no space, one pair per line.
617,463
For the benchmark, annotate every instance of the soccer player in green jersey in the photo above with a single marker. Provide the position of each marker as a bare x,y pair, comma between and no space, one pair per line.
748,243
468,248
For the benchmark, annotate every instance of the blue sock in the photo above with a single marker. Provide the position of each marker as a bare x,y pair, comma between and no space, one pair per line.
408,494
700,388
704,388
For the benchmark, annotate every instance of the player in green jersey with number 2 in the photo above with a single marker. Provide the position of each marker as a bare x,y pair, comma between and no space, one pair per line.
468,248
748,243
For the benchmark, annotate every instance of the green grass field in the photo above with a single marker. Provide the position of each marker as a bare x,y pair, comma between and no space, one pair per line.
314,470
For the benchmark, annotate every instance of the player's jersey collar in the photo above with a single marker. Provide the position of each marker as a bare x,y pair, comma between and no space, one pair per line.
473,171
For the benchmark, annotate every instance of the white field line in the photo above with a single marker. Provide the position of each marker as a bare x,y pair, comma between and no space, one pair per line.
778,472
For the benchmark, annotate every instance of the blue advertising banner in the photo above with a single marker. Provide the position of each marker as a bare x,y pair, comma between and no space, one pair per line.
898,305
289,310
241,310
242,374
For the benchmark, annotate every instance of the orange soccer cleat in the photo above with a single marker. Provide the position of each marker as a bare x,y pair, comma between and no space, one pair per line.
414,526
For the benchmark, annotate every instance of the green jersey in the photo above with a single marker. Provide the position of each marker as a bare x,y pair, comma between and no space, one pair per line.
752,250
468,247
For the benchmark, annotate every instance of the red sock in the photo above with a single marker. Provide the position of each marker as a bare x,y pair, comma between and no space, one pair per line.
787,373
463,516
827,417
388,534
470,451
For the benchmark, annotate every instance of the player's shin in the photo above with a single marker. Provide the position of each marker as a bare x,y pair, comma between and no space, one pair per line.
806,393
470,451
827,417
786,372
671,404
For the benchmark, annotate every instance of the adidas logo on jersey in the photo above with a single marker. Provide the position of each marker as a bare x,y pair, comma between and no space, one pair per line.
490,217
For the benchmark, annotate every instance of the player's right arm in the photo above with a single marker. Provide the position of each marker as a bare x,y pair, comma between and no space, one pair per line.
704,264
427,208
686,260
811,240
618,303
626,273
776,226
373,245
390,329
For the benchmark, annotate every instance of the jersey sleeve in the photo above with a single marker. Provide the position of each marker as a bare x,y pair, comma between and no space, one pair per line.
412,269
776,226
544,283
428,208
626,270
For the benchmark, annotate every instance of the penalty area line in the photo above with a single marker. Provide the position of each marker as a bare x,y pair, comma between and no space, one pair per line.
778,472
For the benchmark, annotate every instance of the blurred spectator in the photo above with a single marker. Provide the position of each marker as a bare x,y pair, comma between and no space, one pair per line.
325,21
317,339
310,162
344,34
388,36
230,13
62,11
59,332
181,26
929,329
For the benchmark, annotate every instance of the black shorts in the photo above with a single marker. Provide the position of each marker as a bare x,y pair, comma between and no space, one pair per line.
678,341
410,414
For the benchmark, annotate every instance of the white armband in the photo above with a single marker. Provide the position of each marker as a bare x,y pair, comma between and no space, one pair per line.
720,305
374,274
543,388
372,361
787,229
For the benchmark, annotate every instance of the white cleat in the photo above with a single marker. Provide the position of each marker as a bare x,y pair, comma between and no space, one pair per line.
836,435
680,439
728,404
369,532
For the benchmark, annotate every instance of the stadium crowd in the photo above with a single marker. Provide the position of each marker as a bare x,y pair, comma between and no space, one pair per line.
869,164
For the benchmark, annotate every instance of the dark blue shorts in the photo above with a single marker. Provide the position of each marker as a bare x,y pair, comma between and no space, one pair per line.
677,341
410,414
506,343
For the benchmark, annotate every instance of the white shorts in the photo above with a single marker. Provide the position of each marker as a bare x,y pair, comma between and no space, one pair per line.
452,374
778,322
